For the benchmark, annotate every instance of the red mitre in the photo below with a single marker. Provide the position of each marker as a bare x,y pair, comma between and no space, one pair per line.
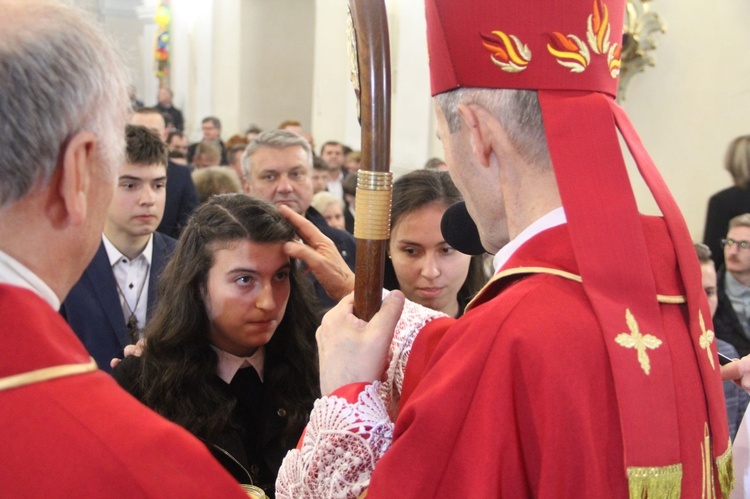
569,51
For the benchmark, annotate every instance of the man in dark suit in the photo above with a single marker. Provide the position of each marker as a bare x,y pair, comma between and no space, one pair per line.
211,127
277,167
165,106
111,302
182,198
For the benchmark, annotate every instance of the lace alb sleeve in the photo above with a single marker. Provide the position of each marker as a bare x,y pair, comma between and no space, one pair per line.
344,441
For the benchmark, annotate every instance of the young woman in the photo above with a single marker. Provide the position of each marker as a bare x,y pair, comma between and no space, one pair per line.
422,264
230,351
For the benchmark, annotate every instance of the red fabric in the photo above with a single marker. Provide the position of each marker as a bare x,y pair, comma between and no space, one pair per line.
518,398
82,435
466,51
614,234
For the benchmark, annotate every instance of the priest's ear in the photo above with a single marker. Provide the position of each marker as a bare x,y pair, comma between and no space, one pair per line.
479,123
73,180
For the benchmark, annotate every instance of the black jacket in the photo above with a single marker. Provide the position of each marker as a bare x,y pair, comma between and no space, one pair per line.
260,456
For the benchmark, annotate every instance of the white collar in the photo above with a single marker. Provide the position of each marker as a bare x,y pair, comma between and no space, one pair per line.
552,219
116,255
229,364
17,274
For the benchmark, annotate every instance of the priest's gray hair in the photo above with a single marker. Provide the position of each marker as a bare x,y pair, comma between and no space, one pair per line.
517,110
59,75
275,139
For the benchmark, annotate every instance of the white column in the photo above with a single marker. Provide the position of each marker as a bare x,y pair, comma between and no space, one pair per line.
334,112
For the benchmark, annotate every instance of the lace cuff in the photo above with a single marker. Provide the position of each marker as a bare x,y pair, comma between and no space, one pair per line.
344,441
413,319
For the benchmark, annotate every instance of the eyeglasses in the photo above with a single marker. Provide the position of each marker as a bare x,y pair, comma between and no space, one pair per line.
743,245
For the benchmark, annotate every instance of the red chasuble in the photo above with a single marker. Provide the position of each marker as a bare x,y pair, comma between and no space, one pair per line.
517,399
81,435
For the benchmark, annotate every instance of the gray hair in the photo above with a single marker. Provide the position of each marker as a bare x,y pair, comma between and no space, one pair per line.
517,110
59,75
275,139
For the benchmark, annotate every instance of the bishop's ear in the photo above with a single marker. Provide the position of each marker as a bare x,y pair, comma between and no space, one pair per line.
75,176
478,122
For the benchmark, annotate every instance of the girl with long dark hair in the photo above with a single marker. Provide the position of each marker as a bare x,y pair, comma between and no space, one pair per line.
230,352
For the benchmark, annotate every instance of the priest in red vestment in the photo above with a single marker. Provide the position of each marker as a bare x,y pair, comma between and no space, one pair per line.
587,366
67,429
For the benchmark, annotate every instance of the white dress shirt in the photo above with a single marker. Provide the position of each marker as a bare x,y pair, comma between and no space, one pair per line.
131,275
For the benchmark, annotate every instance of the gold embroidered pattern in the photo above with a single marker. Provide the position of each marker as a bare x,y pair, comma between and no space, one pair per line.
707,337
639,341
508,52
570,52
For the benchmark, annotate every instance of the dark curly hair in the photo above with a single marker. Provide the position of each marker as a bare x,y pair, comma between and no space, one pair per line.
178,376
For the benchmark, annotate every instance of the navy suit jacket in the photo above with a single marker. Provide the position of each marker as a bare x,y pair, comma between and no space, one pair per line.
182,199
93,310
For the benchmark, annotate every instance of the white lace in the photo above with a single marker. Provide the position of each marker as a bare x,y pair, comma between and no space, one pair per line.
343,442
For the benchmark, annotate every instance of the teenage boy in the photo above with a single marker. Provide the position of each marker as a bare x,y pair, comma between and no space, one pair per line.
111,302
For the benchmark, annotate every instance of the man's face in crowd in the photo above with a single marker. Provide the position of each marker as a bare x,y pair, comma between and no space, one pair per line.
281,176
708,279
164,97
319,180
210,131
333,155
737,259
178,144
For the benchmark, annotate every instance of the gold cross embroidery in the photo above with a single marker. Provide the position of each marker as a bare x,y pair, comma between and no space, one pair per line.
639,341
707,337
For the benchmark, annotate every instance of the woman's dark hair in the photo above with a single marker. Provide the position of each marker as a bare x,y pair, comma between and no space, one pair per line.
421,188
178,379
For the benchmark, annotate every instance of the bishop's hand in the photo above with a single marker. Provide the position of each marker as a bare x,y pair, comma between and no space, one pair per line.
351,350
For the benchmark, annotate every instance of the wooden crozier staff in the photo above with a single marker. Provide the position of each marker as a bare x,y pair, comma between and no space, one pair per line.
371,76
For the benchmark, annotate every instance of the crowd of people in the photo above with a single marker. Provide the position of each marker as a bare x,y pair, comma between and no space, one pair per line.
206,339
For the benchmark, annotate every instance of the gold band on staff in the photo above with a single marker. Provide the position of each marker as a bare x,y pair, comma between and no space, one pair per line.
373,205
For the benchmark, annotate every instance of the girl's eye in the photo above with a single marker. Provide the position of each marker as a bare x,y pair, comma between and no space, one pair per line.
244,280
282,276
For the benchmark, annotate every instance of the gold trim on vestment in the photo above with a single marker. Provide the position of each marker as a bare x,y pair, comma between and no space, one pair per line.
46,374
707,485
666,299
671,300
663,482
725,465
